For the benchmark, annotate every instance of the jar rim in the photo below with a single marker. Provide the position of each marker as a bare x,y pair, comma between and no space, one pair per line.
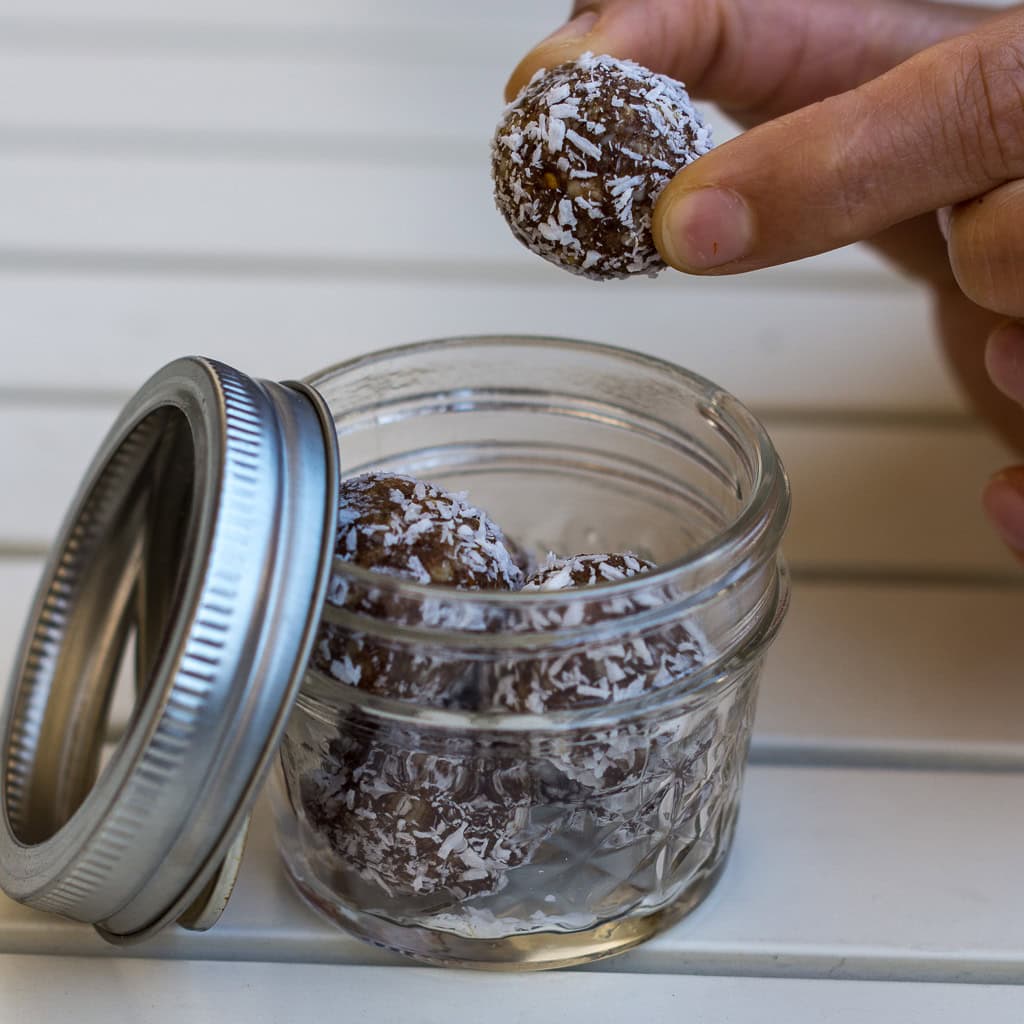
757,527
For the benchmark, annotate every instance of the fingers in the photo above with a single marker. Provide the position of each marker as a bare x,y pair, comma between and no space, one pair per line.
664,35
917,248
986,252
986,249
1003,498
963,329
761,56
943,127
1004,360
576,36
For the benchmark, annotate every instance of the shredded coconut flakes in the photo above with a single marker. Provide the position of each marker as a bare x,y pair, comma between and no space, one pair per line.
619,133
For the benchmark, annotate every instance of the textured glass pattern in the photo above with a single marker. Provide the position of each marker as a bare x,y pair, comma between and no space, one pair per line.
489,836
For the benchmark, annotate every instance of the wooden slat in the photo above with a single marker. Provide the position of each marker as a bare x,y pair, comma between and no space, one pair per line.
62,443
359,210
365,97
452,14
261,993
18,579
906,674
868,673
835,874
867,498
871,497
772,342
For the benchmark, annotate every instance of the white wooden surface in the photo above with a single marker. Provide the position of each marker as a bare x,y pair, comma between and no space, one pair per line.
211,993
836,873
285,184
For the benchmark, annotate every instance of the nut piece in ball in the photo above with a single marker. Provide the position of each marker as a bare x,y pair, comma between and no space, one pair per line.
581,155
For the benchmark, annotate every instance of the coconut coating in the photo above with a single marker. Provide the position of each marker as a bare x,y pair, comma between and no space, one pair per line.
404,527
586,571
398,526
602,769
597,672
581,155
418,823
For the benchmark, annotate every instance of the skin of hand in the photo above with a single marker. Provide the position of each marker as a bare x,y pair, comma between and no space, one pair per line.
900,122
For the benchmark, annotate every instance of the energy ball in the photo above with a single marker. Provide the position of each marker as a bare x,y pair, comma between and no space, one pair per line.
417,823
597,672
404,527
602,769
397,526
393,669
581,155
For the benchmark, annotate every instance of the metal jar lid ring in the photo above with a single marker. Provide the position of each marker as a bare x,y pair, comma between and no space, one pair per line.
206,522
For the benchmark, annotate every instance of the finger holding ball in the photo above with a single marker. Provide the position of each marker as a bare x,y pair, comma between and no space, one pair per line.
582,154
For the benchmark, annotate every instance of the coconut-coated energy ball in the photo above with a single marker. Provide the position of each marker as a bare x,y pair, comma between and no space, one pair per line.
597,672
585,571
581,155
420,823
397,526
610,771
404,527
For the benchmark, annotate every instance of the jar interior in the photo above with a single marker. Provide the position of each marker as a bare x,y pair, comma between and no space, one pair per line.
570,448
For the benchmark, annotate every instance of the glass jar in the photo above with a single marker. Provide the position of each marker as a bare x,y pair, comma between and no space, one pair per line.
459,832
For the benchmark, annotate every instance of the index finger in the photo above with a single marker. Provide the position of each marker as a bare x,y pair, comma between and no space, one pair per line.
765,57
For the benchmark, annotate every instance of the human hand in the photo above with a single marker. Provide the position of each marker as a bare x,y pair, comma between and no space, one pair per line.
872,115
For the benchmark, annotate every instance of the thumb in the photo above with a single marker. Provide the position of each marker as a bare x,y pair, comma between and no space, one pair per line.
943,127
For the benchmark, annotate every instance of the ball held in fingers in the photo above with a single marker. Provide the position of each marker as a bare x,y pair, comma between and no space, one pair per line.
582,154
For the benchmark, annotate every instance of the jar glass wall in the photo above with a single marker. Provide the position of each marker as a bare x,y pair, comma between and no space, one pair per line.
461,832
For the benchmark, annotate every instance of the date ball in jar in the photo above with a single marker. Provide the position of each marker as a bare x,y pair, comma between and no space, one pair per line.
598,673
414,823
582,154
398,526
620,778
438,825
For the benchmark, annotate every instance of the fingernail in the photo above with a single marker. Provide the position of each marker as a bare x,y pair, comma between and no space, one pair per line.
705,228
944,215
572,29
1004,505
1004,360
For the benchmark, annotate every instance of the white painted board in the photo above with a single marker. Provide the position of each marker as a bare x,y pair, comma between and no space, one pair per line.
866,497
156,992
771,340
836,873
362,210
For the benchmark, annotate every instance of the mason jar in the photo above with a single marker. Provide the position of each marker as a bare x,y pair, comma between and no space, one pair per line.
455,805
467,828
